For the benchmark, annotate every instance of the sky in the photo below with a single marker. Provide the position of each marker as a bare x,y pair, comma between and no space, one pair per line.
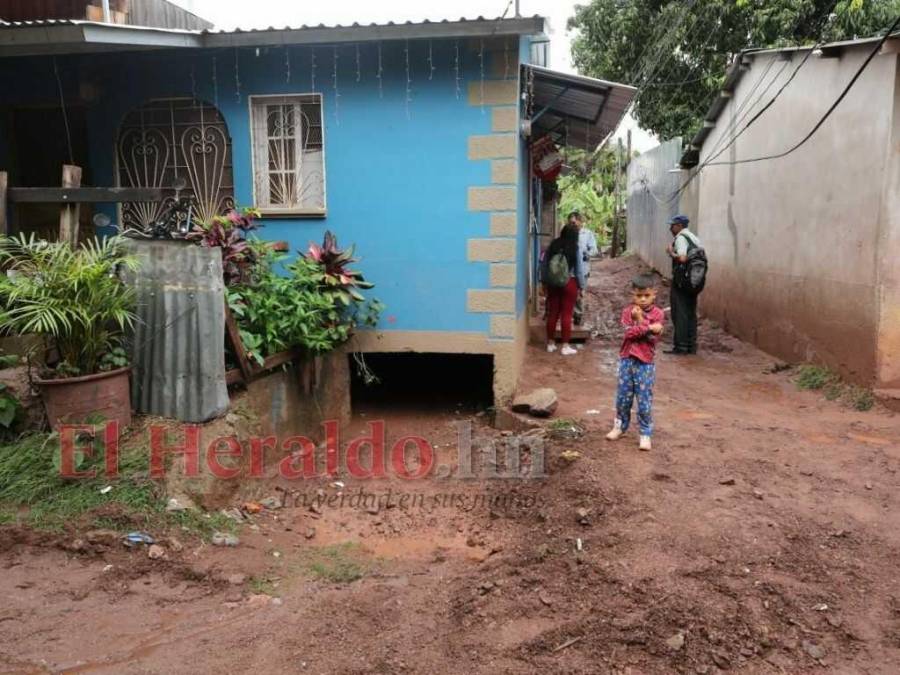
264,13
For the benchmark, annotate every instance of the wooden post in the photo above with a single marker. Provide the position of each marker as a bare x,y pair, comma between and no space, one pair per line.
4,182
68,217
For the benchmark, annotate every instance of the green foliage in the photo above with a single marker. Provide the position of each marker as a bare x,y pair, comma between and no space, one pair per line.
315,305
814,377
73,298
684,48
337,563
29,476
833,388
10,408
589,188
8,361
30,480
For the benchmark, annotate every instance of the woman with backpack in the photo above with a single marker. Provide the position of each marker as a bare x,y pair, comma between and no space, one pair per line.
563,276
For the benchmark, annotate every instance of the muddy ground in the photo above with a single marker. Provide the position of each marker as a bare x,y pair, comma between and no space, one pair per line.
760,536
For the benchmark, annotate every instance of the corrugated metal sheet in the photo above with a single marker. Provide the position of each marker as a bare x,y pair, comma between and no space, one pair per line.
155,13
178,350
578,111
651,184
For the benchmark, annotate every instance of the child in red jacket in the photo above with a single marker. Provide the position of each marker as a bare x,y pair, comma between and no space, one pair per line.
643,323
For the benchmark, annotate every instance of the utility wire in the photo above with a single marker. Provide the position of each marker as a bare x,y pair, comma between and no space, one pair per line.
828,112
715,152
65,114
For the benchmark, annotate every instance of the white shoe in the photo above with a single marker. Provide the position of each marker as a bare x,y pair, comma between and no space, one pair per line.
645,443
616,432
567,350
551,347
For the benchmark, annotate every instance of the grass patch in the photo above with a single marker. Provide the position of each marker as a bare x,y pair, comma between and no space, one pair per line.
261,586
562,424
833,388
30,477
815,377
337,563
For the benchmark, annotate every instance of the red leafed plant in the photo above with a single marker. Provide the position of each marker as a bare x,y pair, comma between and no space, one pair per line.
335,275
229,233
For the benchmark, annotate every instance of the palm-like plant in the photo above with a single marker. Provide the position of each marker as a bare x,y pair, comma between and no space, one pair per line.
73,298
335,275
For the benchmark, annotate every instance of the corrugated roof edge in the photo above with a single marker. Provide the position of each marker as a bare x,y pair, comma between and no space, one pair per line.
691,156
523,22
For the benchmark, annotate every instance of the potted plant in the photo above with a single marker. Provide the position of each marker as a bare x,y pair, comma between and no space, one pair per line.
76,302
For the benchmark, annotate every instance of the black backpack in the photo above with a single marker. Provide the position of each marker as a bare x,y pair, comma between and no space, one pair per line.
691,275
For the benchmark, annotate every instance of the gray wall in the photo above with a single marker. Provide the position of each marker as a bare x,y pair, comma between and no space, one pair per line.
797,264
651,187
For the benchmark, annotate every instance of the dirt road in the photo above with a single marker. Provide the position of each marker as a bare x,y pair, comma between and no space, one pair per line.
761,535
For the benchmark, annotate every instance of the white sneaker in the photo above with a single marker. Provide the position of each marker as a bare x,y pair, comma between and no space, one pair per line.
616,432
551,347
645,443
567,350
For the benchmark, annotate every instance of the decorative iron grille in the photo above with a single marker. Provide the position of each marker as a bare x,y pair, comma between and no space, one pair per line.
169,143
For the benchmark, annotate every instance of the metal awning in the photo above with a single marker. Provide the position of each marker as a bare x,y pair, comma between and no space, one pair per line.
578,111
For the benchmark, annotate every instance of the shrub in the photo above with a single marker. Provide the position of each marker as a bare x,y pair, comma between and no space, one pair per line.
73,298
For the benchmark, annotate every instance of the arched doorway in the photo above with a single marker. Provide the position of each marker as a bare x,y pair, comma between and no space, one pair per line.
170,142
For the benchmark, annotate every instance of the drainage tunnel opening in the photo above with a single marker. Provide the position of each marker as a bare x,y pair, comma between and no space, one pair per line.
416,381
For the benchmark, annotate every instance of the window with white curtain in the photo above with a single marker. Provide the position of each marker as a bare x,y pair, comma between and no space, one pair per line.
288,154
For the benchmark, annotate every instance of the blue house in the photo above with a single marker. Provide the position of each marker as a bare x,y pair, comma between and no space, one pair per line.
411,141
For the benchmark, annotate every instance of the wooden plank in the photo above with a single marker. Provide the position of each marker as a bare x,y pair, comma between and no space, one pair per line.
84,195
281,358
68,216
4,181
234,376
234,335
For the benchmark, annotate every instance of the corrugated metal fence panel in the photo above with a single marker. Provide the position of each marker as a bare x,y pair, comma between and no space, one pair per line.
178,349
651,184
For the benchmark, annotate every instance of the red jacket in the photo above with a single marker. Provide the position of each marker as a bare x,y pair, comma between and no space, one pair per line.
639,342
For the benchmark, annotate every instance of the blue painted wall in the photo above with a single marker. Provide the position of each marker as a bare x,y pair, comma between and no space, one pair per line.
397,174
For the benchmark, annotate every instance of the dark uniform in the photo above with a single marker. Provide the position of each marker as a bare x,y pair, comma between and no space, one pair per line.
684,302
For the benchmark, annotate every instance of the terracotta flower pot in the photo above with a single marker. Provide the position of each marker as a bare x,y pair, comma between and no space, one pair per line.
72,400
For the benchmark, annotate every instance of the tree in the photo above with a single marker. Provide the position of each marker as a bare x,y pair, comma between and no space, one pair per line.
589,188
677,51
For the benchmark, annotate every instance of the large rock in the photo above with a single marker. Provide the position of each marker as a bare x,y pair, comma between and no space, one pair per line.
540,402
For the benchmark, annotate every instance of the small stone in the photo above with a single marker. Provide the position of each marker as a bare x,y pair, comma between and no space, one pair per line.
372,509
581,516
175,545
545,598
271,503
758,493
174,506
814,650
277,601
232,419
868,486
252,507
835,621
236,579
258,600
727,481
102,537
539,403
224,539
234,514
156,552
675,642
721,660
486,587
702,669
310,532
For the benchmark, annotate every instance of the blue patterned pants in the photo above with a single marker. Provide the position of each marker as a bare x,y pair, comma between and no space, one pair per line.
636,378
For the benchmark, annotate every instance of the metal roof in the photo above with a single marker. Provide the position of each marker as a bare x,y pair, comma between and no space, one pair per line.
579,111
740,65
28,38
